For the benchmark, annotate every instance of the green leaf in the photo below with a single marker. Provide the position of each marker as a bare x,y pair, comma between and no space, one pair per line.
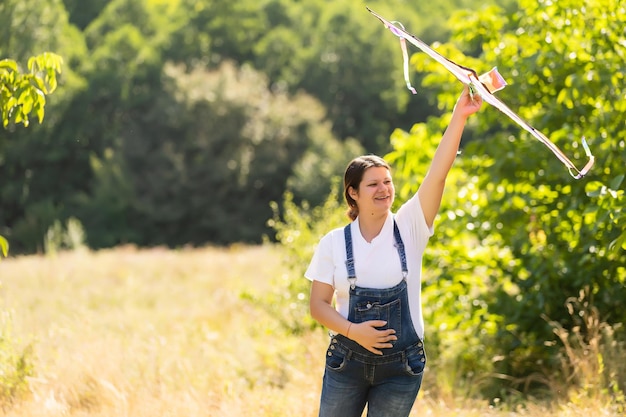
619,243
4,246
8,63
594,189
37,83
32,64
39,108
27,102
617,181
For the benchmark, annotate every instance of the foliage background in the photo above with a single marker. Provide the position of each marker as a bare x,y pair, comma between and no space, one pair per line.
194,122
516,234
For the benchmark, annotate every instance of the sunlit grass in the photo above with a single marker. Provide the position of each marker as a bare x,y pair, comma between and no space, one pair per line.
155,333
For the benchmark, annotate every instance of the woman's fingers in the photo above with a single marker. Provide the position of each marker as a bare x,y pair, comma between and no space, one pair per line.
370,337
383,343
377,346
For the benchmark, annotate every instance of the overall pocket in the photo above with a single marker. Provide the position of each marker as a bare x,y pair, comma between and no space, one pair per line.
335,358
374,310
415,360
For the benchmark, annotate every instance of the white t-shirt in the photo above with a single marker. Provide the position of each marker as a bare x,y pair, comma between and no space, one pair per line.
377,264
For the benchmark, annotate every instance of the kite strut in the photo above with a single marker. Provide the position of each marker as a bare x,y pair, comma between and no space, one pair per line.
484,85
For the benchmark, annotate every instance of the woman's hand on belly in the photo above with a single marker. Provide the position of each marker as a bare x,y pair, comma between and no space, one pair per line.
367,335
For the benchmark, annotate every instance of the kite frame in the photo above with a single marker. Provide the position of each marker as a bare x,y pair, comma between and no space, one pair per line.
470,78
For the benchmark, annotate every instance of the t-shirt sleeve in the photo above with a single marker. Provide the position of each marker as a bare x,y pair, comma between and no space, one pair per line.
412,218
322,265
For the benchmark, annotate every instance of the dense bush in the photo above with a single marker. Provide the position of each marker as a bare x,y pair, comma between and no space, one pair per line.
517,236
298,228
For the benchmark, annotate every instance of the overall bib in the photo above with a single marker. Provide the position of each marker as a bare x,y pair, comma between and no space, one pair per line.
354,376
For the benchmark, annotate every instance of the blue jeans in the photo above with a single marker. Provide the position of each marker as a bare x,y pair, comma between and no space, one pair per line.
387,384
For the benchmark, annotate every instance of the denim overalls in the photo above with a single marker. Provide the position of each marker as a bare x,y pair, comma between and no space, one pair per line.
354,376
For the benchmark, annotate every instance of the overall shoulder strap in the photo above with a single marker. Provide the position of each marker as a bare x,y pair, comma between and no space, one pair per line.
349,256
400,247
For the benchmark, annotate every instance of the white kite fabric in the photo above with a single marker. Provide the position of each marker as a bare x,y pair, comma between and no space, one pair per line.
484,85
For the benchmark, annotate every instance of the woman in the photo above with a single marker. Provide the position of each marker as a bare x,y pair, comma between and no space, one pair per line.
372,270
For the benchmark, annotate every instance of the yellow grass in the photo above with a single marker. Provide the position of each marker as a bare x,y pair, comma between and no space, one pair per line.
156,333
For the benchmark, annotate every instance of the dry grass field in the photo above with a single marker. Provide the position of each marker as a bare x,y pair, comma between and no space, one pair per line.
156,333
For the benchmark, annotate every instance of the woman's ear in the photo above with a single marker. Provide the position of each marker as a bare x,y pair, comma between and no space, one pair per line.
353,193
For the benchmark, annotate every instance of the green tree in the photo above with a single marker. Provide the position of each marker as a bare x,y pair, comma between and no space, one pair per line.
205,160
24,93
335,52
82,13
113,79
193,135
40,164
29,27
339,53
516,232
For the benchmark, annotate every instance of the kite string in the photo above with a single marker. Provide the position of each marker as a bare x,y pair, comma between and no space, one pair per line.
405,57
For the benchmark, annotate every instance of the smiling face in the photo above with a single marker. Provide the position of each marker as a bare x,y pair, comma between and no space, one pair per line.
357,185
375,192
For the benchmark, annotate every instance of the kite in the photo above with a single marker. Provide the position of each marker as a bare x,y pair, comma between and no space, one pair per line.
484,85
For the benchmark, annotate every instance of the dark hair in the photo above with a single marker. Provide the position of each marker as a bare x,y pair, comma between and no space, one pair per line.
353,176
